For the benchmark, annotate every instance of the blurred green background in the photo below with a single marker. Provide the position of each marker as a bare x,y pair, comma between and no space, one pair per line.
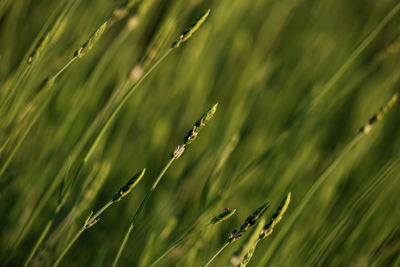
295,80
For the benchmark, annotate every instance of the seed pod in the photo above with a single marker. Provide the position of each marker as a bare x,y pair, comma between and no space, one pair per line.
252,219
276,217
247,257
378,115
88,45
192,134
187,33
123,191
247,247
249,222
222,216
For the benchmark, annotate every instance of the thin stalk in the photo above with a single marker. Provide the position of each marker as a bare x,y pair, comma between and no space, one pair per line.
77,235
139,211
5,144
217,253
81,205
45,232
39,242
65,67
89,223
92,219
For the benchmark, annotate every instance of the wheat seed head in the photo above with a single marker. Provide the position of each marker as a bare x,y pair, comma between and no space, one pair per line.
187,33
249,222
88,45
223,216
123,191
276,217
379,115
193,132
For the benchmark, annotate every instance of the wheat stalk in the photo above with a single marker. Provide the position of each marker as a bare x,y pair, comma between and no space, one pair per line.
177,153
95,180
94,218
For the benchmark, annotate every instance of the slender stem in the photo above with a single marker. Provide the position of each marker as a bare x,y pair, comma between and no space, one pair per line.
100,211
61,256
65,67
39,242
5,144
217,253
90,222
44,234
139,211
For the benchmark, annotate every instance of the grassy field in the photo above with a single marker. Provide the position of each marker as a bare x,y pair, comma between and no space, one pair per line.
92,92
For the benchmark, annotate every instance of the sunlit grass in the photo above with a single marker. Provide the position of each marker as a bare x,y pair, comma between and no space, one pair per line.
91,90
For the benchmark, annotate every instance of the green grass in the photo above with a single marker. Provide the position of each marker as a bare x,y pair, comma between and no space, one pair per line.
295,82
